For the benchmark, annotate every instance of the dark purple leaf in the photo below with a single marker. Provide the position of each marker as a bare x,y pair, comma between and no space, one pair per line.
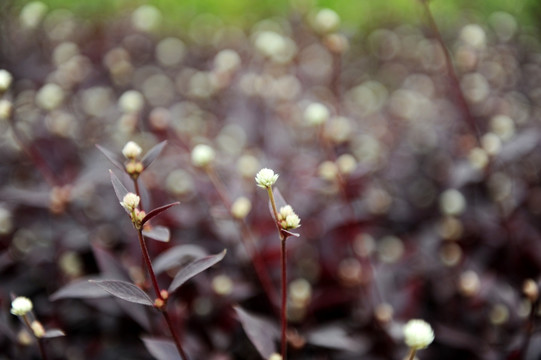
289,233
176,256
153,153
158,211
335,337
53,333
108,264
261,332
160,233
112,157
194,268
79,289
120,190
125,291
161,349
521,145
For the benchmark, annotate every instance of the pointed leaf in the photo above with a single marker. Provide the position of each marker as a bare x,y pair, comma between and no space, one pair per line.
160,233
261,332
79,289
335,337
112,157
120,190
125,291
289,233
161,349
194,268
52,333
108,264
153,153
158,211
177,256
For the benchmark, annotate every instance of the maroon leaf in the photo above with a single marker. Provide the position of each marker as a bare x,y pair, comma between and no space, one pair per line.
161,349
79,289
125,291
112,157
335,337
289,233
153,153
160,233
177,256
261,332
109,266
120,190
194,268
52,333
157,211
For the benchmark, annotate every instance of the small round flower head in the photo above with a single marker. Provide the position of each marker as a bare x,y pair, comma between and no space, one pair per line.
418,334
285,211
131,150
202,155
21,305
326,20
265,178
292,221
5,80
275,356
32,14
288,219
130,201
316,114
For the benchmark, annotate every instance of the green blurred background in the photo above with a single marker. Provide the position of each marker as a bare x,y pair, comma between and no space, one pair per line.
354,13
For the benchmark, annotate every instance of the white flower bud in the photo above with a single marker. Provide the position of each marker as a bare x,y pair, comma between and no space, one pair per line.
202,155
132,150
130,201
287,218
5,80
285,211
275,356
293,221
21,305
266,178
316,114
5,109
326,21
146,18
241,207
131,101
418,334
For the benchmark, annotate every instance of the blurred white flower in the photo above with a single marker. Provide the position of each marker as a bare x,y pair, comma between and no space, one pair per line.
316,114
130,201
5,79
452,202
326,21
50,96
32,14
202,155
265,178
21,305
131,101
146,18
241,207
418,334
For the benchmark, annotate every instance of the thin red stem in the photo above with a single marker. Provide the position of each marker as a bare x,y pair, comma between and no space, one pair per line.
41,346
284,299
247,241
148,263
175,336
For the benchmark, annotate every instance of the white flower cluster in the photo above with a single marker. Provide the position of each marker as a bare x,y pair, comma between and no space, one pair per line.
288,219
265,178
21,306
131,150
130,201
5,79
418,334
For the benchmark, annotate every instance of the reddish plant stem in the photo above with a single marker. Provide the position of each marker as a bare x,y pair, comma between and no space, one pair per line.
284,298
137,192
148,263
175,336
247,240
451,71
530,325
283,258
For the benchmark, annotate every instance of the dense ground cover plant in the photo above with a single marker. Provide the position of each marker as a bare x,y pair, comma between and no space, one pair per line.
414,169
